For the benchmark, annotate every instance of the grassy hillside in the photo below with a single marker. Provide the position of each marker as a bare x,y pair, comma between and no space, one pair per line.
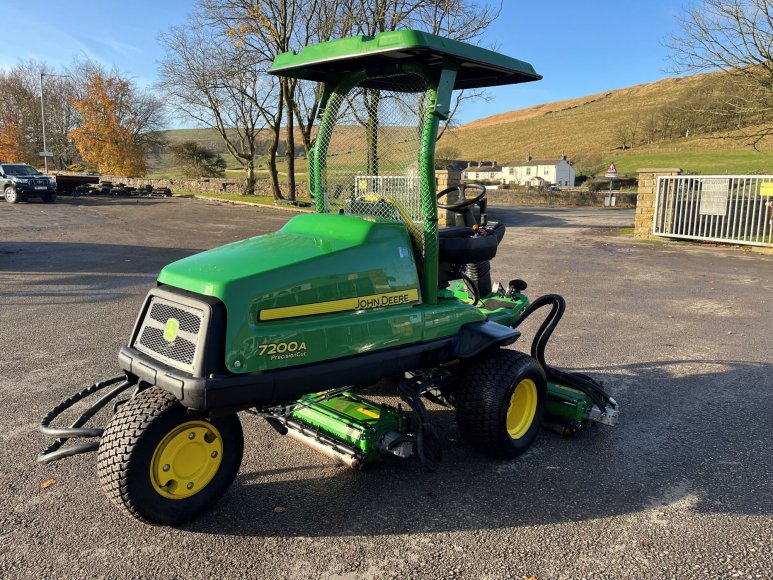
586,129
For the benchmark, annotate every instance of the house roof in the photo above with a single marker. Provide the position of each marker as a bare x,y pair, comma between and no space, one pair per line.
534,162
483,169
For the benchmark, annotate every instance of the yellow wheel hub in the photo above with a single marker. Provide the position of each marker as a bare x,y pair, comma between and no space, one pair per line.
186,460
523,407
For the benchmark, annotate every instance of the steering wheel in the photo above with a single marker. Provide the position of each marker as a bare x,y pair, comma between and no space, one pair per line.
464,205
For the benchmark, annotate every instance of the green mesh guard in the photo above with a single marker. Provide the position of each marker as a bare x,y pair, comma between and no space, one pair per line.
372,144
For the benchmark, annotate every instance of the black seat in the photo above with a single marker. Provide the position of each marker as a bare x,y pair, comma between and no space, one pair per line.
458,245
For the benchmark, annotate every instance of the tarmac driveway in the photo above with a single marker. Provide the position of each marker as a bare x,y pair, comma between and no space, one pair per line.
682,487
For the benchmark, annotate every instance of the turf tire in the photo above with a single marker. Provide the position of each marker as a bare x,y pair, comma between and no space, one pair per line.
126,451
483,398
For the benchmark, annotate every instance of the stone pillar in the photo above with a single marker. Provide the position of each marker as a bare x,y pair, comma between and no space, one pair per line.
447,178
645,199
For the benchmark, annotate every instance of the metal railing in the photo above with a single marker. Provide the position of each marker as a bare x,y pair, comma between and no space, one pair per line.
734,209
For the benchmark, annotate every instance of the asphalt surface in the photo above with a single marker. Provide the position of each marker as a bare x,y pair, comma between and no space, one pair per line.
681,488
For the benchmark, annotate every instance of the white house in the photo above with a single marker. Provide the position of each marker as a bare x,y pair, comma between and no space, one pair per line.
491,172
539,172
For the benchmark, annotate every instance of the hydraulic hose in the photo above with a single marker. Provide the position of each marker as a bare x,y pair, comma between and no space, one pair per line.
590,387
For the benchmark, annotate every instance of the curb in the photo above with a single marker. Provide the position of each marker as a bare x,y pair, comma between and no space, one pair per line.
251,204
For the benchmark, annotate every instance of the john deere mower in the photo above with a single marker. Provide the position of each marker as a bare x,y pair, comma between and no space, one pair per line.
293,326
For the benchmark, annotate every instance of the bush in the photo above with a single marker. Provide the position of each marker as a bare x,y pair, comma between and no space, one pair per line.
197,161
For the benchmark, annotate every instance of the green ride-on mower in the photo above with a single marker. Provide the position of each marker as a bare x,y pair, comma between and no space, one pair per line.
291,326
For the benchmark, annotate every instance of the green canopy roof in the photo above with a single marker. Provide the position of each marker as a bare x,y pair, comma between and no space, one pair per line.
478,67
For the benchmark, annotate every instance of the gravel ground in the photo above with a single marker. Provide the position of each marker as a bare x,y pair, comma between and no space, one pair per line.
682,487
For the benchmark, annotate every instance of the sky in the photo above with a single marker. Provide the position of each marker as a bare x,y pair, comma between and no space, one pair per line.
579,47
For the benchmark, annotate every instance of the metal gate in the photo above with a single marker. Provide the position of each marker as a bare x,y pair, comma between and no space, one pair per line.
724,208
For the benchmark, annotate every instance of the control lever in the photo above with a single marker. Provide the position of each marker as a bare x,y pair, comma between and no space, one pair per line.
514,286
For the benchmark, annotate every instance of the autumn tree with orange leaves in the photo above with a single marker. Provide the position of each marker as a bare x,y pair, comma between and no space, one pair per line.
116,124
10,139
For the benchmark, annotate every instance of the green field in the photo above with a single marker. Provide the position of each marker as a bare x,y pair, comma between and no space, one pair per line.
730,161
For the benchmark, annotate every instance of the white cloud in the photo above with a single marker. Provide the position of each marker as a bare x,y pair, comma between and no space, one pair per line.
121,48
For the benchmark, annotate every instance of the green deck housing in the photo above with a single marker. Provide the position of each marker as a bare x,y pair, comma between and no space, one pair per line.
356,422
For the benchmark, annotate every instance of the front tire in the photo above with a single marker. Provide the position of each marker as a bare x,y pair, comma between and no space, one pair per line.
11,196
500,403
49,197
160,465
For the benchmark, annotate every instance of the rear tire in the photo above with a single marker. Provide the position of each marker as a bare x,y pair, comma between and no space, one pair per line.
11,196
500,403
161,465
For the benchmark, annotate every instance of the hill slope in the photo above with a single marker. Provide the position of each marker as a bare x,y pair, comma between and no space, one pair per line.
587,129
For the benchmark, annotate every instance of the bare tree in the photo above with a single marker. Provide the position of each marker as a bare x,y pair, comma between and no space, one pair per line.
268,28
256,31
735,36
213,81
20,108
465,20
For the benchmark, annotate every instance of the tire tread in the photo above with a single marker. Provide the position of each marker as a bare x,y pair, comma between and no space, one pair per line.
481,394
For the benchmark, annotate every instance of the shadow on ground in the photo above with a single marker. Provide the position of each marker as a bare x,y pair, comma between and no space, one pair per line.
78,272
695,434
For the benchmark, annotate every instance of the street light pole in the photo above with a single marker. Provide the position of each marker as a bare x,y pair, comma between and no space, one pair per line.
43,121
43,115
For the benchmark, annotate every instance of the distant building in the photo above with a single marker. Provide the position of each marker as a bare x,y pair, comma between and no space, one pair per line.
539,172
530,173
486,171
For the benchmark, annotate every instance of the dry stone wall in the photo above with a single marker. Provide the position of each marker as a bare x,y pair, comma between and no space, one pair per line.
444,179
204,185
559,198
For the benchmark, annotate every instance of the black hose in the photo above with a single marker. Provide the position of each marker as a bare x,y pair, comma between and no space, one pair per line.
590,387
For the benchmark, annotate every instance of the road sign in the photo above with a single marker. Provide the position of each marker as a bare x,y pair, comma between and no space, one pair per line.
45,154
611,170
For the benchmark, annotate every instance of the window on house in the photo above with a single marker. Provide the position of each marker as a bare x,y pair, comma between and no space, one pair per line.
528,171
547,171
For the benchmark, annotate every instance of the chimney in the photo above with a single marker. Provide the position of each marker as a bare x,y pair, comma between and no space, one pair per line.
528,157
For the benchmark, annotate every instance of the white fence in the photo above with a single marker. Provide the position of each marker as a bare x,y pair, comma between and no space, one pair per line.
723,208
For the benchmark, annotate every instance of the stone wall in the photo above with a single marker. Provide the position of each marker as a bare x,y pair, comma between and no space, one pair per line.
445,178
645,199
206,184
559,198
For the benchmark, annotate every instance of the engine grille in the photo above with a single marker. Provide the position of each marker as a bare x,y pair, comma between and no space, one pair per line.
155,331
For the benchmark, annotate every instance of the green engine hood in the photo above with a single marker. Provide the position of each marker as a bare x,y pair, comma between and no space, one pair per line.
304,238
310,266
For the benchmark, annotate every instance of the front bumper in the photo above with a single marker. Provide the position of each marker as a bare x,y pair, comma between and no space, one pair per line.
27,189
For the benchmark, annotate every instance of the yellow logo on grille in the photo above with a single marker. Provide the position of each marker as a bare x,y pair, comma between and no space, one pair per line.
171,328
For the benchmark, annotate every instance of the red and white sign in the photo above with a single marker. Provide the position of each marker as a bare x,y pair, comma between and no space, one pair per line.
611,170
